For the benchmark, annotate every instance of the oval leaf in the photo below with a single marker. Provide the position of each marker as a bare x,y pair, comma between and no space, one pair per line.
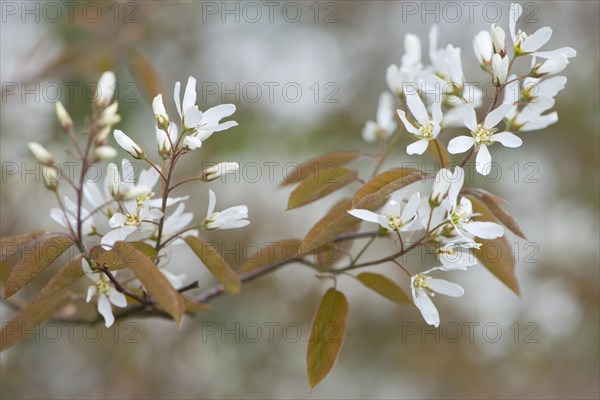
165,295
496,255
215,264
10,245
283,250
374,193
34,262
384,286
326,336
315,187
320,164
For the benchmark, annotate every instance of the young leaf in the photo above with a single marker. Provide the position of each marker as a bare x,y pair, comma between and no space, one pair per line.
315,187
10,245
321,164
63,278
215,264
283,250
496,255
334,223
29,317
191,306
384,287
166,296
374,193
326,336
34,261
495,203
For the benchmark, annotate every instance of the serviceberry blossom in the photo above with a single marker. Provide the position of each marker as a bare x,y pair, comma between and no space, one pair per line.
483,47
456,254
426,128
393,217
68,217
397,77
127,144
423,287
483,135
522,42
385,125
175,222
106,292
230,218
499,69
106,88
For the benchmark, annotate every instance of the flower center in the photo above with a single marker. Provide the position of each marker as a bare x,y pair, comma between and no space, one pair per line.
521,36
420,282
133,220
103,286
395,222
426,131
459,216
483,135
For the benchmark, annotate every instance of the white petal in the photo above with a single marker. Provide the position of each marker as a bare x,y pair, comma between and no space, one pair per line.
507,139
515,13
456,184
444,287
177,97
116,235
189,97
117,220
417,108
485,230
369,132
235,224
483,161
213,115
425,305
105,310
410,210
57,215
537,40
212,201
418,147
117,298
409,127
91,292
192,142
494,117
460,144
469,117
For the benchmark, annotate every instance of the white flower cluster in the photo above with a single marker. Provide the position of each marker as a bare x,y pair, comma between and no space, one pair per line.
124,208
438,96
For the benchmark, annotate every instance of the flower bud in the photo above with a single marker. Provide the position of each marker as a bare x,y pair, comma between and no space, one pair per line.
162,118
499,69
499,39
482,45
102,135
553,65
136,191
50,175
40,153
105,89
128,145
441,185
164,142
214,172
114,179
109,115
104,153
63,116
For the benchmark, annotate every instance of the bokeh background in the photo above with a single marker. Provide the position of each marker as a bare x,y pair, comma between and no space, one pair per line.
544,345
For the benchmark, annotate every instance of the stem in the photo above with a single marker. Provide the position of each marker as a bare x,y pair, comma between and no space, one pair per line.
120,288
155,167
362,251
439,151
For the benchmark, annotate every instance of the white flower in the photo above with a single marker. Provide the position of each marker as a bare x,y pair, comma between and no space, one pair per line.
531,117
483,135
498,38
456,255
63,116
106,292
522,42
411,59
202,124
40,153
553,65
396,77
128,145
135,219
499,69
460,213
51,177
392,217
104,153
160,113
106,88
443,179
534,88
176,222
216,171
69,217
448,65
109,116
426,128
423,286
483,47
230,218
385,125
165,141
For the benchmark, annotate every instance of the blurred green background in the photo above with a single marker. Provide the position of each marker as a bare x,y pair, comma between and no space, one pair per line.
545,345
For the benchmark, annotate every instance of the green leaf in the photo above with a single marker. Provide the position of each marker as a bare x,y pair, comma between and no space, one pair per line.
29,317
319,186
11,245
384,287
374,193
215,264
334,223
145,248
165,295
320,165
35,261
494,204
327,336
283,250
496,255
